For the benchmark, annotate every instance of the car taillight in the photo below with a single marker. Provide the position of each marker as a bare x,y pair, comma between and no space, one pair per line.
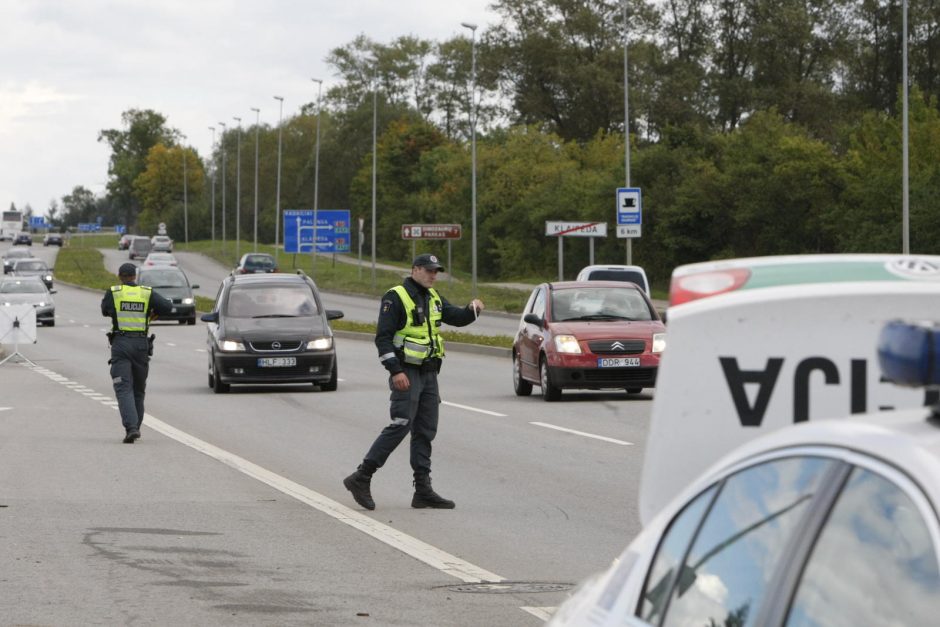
685,289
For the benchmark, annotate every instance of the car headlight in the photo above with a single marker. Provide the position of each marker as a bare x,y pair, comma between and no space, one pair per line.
41,304
231,346
567,344
48,277
187,301
659,342
320,344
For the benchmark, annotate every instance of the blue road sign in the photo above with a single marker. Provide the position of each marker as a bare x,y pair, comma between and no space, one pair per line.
120,228
332,231
89,227
629,205
37,222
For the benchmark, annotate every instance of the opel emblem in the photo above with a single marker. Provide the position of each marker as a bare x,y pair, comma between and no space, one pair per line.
275,345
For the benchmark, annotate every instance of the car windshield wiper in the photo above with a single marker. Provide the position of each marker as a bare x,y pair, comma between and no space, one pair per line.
598,317
275,316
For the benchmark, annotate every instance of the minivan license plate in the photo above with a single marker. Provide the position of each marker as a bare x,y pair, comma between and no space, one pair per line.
276,362
617,362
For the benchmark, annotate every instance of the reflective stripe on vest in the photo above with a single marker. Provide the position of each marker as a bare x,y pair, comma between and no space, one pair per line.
131,303
418,342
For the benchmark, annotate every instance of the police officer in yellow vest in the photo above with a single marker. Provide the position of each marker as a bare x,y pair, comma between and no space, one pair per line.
130,307
408,338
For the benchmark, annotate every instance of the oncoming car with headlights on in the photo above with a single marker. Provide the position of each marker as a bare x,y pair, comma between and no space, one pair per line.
173,284
270,328
29,290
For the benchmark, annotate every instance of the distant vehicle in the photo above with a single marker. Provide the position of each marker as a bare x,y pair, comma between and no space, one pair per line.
139,247
52,239
33,267
161,243
160,259
23,239
173,284
125,241
11,224
587,335
19,290
13,254
256,262
633,274
270,329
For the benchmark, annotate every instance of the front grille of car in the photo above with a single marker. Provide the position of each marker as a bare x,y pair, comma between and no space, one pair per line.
267,346
617,347
619,377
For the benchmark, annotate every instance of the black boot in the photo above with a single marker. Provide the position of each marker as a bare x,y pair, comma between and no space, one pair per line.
358,484
426,497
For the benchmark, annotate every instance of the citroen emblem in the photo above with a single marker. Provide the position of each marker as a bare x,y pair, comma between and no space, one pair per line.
275,345
617,346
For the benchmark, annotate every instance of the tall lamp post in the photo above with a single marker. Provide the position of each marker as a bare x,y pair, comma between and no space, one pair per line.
316,177
626,121
375,117
185,198
238,190
257,130
212,128
222,148
473,153
277,201
905,163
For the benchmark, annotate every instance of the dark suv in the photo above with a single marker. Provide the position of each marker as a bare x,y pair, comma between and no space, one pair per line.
270,328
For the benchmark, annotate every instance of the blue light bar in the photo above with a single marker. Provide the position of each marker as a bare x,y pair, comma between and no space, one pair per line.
909,353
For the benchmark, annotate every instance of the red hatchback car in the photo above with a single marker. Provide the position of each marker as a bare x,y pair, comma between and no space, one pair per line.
587,335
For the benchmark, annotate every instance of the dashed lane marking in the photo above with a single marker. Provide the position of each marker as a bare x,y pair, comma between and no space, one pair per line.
584,434
476,409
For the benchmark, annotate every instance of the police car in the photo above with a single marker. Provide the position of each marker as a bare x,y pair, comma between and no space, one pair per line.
775,489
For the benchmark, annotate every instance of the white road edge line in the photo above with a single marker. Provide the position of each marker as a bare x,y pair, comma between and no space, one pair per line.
430,555
582,433
468,408
543,613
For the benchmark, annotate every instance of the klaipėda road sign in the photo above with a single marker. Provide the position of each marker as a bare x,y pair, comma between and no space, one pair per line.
576,229
332,230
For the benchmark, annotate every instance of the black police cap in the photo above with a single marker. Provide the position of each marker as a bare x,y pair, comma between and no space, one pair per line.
427,260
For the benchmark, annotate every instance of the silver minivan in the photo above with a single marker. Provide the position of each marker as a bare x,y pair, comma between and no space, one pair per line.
139,247
633,274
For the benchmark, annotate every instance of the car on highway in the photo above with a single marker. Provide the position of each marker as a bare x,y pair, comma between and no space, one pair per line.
13,254
173,284
160,259
161,243
125,241
270,328
23,239
830,522
633,274
256,262
53,239
32,267
32,291
139,247
587,335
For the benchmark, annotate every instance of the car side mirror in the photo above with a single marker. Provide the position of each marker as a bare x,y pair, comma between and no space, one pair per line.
52,291
333,314
210,317
662,314
533,319
195,286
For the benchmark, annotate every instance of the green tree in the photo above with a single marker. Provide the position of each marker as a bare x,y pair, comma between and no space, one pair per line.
78,206
160,188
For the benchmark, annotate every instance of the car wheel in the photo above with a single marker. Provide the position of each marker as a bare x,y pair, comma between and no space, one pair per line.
550,393
191,321
520,385
634,390
182,321
331,385
51,323
217,386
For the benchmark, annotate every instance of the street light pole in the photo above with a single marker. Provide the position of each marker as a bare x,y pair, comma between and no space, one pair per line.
257,131
238,191
375,116
222,148
316,178
212,128
277,202
185,198
905,163
626,121
473,152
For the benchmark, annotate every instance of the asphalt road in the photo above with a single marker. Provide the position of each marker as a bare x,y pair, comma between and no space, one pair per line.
230,509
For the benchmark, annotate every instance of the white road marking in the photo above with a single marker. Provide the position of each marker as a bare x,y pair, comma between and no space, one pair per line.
468,408
543,613
582,433
5,408
200,350
169,343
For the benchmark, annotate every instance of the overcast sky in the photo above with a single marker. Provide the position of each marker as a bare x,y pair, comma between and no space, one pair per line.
70,68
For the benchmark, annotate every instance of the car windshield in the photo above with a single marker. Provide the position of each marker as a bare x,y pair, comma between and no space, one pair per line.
260,261
17,253
602,303
162,278
30,265
22,287
271,301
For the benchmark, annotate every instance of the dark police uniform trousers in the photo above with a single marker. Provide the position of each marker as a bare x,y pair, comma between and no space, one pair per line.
130,365
413,411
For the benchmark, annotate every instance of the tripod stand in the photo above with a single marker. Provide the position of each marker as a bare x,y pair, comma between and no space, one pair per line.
15,330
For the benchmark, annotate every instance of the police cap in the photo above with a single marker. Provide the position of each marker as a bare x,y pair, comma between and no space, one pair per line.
127,269
427,260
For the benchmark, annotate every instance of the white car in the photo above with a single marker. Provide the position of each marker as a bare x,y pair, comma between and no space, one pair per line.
160,259
633,274
161,243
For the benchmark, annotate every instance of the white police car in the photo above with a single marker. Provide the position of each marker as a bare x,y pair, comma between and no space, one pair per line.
826,522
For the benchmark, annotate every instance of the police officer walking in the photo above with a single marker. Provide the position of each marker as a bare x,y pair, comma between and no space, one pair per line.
411,348
130,307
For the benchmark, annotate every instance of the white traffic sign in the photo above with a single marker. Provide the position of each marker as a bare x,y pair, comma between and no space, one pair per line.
629,206
629,230
576,229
